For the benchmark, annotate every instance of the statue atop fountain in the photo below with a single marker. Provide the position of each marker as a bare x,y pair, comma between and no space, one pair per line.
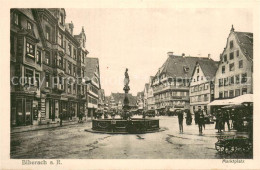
126,100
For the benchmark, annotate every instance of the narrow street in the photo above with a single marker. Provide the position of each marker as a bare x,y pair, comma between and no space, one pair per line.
72,142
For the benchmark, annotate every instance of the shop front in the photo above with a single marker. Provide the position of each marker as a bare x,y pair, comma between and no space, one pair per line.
22,108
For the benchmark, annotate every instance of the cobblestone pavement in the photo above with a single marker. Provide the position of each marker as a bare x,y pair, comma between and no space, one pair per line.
72,142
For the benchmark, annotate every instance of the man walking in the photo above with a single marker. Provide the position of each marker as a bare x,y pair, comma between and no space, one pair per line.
180,118
226,119
200,119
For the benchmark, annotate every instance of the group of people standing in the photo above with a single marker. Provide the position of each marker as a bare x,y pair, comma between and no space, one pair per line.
199,119
222,117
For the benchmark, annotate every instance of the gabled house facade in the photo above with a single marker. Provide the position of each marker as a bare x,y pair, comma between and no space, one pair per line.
234,76
202,85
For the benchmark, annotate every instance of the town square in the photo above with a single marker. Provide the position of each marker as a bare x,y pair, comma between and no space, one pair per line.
155,84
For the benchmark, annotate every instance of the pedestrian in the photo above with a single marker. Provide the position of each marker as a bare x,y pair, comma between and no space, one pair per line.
61,116
200,120
196,117
226,119
180,118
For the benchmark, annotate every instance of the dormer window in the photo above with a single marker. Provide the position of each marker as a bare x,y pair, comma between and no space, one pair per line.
186,69
29,26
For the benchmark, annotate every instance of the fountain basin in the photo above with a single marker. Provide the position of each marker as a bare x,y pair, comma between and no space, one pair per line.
125,126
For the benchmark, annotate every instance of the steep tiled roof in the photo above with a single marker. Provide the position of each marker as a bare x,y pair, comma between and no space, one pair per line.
91,64
245,41
208,67
179,66
120,97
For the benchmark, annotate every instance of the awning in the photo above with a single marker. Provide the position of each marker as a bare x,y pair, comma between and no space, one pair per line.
246,98
223,102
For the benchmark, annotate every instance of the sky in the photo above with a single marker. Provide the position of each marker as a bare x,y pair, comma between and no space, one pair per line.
139,39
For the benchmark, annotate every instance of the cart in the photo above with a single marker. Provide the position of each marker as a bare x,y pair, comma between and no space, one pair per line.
232,144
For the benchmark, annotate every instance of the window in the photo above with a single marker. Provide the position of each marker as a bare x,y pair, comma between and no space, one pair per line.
225,94
12,41
60,39
29,25
231,56
198,78
83,73
225,58
199,98
69,49
69,88
29,77
237,92
232,80
244,78
201,87
47,77
231,93
37,80
220,95
225,81
16,19
48,33
198,70
241,64
201,77
74,88
237,53
74,71
39,57
47,57
231,67
74,54
244,91
231,44
237,79
69,67
30,50
220,82
223,69
206,86
61,83
205,97
60,61
196,88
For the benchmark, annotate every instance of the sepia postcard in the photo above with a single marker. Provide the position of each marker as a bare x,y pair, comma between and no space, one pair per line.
130,84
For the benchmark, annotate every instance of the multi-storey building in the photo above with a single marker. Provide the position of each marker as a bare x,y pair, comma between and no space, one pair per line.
46,52
26,51
150,96
93,85
202,85
234,75
171,82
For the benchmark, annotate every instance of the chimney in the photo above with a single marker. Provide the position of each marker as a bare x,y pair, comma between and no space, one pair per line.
209,56
183,55
170,53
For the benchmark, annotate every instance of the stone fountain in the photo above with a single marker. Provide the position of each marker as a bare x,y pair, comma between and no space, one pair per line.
126,124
